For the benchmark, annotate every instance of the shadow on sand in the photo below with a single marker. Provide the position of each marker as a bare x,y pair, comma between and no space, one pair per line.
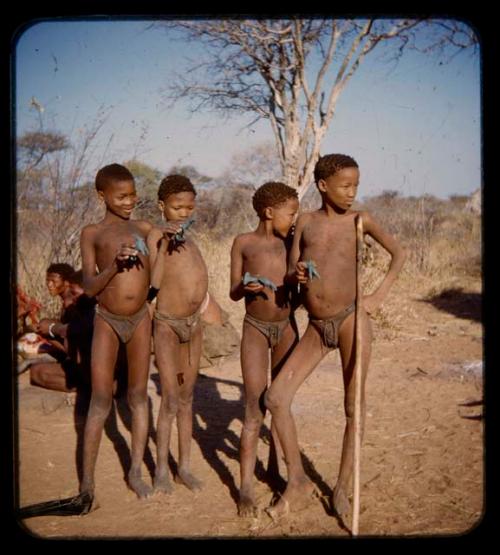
459,303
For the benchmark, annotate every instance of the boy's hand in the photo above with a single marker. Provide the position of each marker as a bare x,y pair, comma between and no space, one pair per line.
253,287
171,228
301,272
126,253
371,303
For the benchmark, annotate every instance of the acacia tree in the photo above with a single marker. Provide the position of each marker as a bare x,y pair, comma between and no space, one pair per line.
292,72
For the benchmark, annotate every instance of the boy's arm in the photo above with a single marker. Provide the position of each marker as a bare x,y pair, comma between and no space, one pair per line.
238,290
157,246
398,255
296,270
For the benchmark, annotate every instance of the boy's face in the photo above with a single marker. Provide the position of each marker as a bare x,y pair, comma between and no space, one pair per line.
120,198
283,216
341,188
178,206
56,284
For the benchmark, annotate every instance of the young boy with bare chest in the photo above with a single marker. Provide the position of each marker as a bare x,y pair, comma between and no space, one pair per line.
258,270
323,261
116,269
180,275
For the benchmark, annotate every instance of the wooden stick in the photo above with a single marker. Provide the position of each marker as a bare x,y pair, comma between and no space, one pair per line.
357,378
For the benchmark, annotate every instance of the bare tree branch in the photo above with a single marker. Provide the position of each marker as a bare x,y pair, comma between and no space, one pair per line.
263,68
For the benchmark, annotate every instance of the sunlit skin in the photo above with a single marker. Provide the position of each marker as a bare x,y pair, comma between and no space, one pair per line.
328,237
181,276
262,252
121,285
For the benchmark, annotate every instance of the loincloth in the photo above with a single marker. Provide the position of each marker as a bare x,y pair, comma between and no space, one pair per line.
272,330
123,325
329,327
185,326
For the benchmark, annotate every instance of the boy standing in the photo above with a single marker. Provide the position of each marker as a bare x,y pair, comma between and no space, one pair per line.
325,240
180,275
116,269
258,271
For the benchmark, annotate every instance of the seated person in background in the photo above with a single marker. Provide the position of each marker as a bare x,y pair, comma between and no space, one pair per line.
73,333
58,284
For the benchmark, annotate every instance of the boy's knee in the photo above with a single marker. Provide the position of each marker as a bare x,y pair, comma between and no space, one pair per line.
185,401
170,404
137,397
271,401
100,404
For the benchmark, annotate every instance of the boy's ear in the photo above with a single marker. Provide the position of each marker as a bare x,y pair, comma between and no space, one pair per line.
161,205
322,185
100,195
268,212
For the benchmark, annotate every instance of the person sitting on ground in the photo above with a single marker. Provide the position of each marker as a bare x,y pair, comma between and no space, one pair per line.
51,329
258,272
180,275
73,332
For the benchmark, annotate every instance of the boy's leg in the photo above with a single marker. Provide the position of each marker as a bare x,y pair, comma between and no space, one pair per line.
166,345
301,362
138,354
347,346
279,356
189,362
103,359
254,368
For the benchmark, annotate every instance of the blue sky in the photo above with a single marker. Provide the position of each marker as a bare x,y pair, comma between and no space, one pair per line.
414,127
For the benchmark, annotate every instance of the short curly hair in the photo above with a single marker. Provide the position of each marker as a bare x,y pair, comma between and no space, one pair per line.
330,164
108,174
62,269
175,184
272,193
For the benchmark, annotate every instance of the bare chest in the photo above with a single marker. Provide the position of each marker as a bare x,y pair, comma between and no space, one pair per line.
113,237
265,259
330,239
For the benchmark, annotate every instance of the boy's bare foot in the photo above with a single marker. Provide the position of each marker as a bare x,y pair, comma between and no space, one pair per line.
162,484
247,505
340,503
296,497
185,477
137,484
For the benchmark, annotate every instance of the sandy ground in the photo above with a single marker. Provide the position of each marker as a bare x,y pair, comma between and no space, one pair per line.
422,457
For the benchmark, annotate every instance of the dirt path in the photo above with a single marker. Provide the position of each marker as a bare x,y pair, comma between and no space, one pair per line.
422,457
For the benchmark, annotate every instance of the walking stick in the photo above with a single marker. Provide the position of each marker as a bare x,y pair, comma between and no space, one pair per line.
357,378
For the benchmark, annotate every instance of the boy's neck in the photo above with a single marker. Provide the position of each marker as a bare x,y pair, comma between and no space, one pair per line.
265,229
333,211
112,218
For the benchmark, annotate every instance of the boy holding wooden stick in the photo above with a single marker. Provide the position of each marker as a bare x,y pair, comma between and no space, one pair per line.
323,262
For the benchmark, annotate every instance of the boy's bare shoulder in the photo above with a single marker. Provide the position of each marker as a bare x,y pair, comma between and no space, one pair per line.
144,225
89,230
304,218
155,231
244,239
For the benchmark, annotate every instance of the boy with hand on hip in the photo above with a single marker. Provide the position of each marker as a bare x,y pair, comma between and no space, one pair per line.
180,275
323,261
115,268
258,271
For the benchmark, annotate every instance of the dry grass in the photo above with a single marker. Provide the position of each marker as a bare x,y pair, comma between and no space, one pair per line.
443,243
